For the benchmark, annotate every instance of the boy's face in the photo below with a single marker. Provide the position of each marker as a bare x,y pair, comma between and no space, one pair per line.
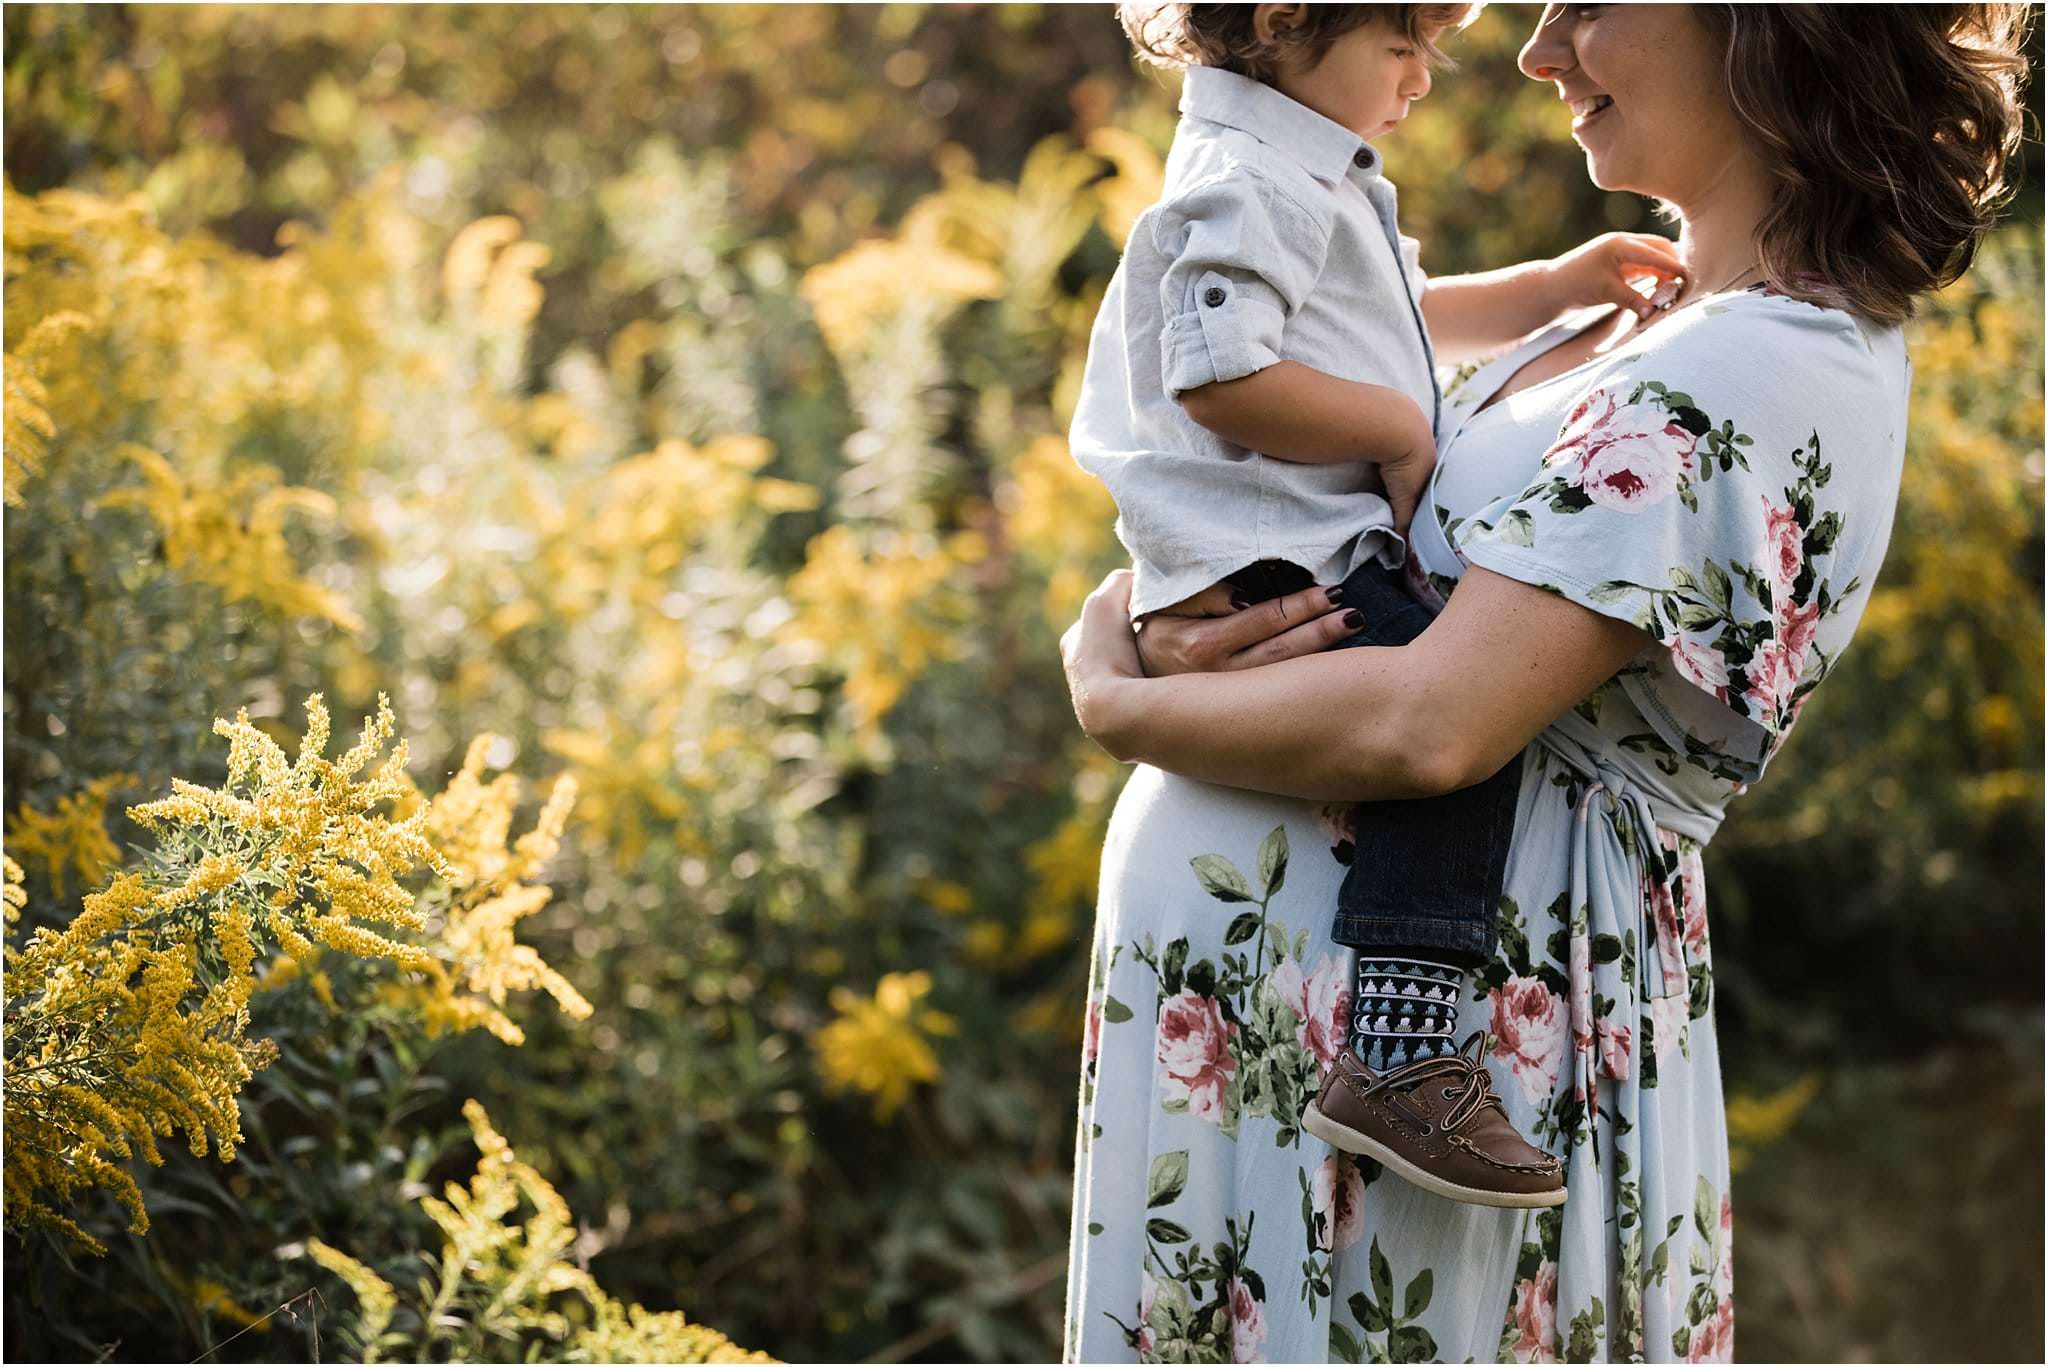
1366,80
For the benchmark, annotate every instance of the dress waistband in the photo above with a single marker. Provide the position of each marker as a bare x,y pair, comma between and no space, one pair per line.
1578,743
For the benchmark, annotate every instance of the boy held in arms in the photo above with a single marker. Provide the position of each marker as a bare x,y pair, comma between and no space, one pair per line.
1260,399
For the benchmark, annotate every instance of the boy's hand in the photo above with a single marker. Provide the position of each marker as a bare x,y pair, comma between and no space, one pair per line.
1604,269
1406,475
1406,481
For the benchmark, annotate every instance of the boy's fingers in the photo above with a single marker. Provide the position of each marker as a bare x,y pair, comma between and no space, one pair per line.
1643,258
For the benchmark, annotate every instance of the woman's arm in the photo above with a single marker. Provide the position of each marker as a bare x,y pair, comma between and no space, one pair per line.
1500,663
1476,315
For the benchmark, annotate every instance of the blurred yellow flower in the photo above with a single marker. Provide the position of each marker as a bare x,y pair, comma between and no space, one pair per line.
231,534
878,1044
74,835
1755,1121
1136,186
1061,519
881,609
883,283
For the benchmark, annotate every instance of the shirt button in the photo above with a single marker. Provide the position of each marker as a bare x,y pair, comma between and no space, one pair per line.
1362,158
1213,297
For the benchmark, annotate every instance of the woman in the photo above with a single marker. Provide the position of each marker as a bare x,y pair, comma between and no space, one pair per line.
1662,534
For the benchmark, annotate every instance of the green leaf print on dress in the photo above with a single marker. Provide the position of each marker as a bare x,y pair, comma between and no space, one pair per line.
1384,1333
1250,1032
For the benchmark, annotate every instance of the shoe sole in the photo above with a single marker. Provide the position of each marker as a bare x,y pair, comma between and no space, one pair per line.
1352,1141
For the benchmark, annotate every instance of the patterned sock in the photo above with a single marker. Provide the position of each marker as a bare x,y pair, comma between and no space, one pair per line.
1403,1009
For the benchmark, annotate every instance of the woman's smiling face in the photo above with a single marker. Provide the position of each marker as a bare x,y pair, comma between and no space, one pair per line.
1646,94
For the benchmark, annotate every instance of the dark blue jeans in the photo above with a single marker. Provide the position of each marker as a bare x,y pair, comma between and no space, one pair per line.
1426,873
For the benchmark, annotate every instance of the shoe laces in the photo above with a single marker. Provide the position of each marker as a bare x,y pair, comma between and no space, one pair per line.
1470,1084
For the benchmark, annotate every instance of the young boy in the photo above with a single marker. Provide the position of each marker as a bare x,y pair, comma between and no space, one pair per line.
1260,399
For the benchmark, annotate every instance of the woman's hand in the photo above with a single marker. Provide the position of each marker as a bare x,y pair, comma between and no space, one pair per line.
1209,632
1105,658
1100,653
1603,271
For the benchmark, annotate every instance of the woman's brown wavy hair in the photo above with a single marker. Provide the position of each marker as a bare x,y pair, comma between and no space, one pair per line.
1178,35
1890,129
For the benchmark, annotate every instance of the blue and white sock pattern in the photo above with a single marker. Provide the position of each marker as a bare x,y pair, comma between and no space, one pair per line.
1403,1009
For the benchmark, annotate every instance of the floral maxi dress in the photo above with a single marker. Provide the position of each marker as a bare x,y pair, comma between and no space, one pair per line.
1727,483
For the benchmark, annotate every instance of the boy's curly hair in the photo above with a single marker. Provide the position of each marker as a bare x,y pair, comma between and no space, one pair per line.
1180,35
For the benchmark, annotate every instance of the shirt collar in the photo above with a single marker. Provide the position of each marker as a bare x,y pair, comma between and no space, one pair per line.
1325,148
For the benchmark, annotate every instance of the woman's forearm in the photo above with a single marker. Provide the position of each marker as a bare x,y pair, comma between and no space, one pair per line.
1346,725
1501,662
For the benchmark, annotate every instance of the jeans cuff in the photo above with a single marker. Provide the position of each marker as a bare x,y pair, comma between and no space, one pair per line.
1471,944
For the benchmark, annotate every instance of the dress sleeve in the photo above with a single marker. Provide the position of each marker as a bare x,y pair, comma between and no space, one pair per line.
1694,491
1242,255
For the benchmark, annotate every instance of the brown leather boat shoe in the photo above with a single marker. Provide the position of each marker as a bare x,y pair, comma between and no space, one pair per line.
1437,1123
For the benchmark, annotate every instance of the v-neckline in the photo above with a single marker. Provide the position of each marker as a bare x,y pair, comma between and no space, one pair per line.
1529,351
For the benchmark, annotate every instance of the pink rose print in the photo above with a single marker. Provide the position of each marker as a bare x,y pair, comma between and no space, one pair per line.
1093,1047
1772,673
1337,1197
1536,1317
1417,580
1693,888
1667,1023
1529,1024
1326,1017
1194,1046
1796,626
1247,1324
1148,1290
1625,458
1701,664
1714,1339
1581,428
1670,958
1580,975
1615,1043
1784,554
1339,821
1322,1004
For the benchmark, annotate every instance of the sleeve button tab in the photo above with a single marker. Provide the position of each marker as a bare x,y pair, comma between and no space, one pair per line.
1214,296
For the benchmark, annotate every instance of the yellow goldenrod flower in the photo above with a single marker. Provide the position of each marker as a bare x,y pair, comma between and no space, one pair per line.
878,1044
501,1275
119,1029
880,610
75,835
374,1295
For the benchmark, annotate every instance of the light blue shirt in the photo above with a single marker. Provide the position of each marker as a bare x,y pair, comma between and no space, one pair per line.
1274,239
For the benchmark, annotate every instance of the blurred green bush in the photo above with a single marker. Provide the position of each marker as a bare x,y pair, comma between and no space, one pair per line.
679,394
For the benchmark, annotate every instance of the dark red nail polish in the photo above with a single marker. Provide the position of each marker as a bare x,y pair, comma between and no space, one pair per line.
1335,593
1354,619
1239,601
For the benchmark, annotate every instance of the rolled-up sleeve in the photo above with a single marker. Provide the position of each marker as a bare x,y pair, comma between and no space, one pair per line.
1242,256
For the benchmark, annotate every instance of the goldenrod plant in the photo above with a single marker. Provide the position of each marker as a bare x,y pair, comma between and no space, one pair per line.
508,1289
132,1021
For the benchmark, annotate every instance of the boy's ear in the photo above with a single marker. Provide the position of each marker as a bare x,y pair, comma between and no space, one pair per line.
1273,21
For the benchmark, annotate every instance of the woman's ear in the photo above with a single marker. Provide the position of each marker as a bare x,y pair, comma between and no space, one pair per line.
1272,21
